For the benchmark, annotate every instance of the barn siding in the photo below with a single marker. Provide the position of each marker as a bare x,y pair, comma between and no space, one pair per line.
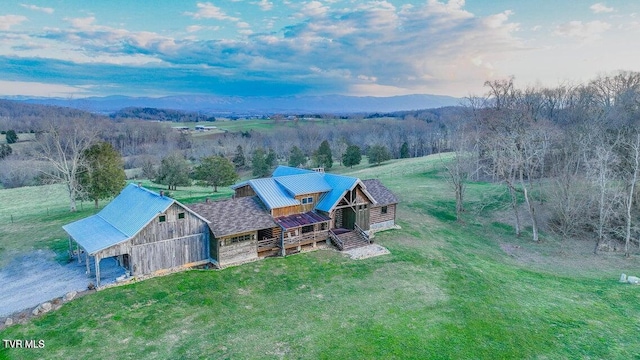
171,228
167,254
245,191
169,244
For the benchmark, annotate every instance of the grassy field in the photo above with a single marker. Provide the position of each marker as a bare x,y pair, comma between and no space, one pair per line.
448,290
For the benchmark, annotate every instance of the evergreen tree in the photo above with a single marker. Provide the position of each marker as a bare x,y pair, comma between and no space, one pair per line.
271,158
259,165
174,171
378,154
103,175
297,157
404,151
238,158
11,137
216,171
322,157
352,156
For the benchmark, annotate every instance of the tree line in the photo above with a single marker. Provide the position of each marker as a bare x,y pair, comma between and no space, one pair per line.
571,150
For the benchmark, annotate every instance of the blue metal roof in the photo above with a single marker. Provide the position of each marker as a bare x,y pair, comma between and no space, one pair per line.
94,233
288,170
272,194
339,186
288,182
120,220
304,183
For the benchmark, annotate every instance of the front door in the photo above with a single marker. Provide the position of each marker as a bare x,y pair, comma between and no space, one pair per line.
348,218
362,217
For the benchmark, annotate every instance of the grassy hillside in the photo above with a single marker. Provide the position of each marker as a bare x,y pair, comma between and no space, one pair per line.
447,290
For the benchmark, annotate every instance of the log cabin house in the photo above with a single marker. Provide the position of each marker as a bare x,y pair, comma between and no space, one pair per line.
294,209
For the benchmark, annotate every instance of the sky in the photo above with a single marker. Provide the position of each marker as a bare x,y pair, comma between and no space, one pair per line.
76,48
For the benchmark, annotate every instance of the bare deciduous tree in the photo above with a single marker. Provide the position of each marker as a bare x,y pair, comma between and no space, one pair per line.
62,144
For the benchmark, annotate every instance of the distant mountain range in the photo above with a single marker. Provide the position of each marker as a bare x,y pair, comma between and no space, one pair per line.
220,105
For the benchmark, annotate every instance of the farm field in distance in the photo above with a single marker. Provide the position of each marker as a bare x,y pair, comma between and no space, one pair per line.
447,290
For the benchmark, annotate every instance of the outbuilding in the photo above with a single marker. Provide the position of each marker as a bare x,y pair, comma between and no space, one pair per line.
145,231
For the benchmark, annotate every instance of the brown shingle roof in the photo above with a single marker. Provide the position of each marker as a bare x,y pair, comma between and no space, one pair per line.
380,192
234,216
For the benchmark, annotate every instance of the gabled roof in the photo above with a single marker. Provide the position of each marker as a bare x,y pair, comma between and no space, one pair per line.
287,182
234,216
272,194
380,193
287,170
120,220
301,184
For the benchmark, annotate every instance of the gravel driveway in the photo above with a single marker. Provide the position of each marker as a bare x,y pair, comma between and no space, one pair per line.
36,277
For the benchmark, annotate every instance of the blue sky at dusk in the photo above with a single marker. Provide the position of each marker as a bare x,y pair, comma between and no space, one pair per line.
64,48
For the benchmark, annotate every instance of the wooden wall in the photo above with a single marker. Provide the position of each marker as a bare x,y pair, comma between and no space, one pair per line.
245,191
164,245
237,252
167,254
377,216
285,211
361,198
303,208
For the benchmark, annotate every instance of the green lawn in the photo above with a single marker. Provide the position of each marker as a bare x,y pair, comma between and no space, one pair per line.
446,291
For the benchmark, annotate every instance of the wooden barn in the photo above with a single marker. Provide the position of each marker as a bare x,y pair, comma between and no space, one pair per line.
146,232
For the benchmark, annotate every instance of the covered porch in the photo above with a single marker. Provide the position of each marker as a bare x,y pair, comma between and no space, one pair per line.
303,230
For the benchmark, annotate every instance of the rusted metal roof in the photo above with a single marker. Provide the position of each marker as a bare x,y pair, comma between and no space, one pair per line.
298,220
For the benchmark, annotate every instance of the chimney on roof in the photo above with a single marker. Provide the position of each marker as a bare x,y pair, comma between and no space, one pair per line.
139,184
161,193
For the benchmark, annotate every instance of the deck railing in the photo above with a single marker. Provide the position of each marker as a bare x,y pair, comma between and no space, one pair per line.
362,233
268,244
303,239
336,240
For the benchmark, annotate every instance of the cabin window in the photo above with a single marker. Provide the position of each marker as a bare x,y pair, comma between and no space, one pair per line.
383,210
307,200
181,215
162,218
307,229
323,226
237,239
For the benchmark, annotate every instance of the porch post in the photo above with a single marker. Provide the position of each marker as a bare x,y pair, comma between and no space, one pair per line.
96,258
86,261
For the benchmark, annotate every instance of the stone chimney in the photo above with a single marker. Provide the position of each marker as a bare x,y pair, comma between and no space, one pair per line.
161,193
139,184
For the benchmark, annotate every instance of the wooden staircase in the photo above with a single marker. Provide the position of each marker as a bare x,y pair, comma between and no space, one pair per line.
347,240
